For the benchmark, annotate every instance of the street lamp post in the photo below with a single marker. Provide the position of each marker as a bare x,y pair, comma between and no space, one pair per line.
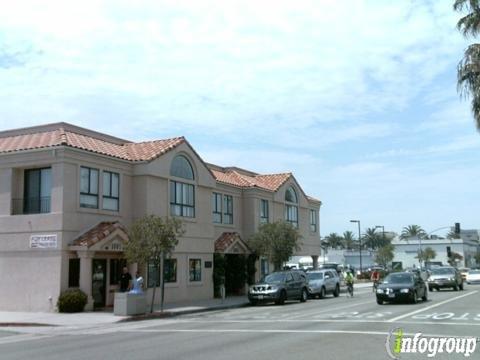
383,232
360,242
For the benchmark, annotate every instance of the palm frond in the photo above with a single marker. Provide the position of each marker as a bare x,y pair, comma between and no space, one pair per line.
468,5
469,24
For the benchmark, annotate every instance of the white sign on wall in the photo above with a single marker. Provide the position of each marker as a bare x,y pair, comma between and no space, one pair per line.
43,241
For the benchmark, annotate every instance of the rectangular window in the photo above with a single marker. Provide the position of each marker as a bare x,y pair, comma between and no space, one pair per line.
116,269
73,273
313,220
111,189
217,208
195,269
170,270
291,215
227,209
37,191
263,211
182,199
88,187
264,266
152,275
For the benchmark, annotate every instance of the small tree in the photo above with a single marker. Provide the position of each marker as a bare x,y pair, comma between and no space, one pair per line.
276,241
426,254
477,258
384,255
454,258
152,239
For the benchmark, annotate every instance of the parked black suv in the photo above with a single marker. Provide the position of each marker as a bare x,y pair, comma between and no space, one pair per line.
278,287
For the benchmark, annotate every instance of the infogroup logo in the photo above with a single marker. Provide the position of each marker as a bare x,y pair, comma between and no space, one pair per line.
398,343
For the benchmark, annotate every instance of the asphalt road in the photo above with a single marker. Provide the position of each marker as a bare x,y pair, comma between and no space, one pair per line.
330,328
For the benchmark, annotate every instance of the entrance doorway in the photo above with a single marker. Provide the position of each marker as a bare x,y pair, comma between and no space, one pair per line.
99,282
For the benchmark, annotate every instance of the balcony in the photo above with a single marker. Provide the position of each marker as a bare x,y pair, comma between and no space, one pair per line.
32,205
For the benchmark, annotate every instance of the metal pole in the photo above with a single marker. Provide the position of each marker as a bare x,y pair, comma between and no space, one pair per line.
360,240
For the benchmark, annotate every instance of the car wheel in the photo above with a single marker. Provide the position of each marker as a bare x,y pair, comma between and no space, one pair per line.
253,302
304,295
379,302
425,295
414,297
336,293
282,298
430,288
322,293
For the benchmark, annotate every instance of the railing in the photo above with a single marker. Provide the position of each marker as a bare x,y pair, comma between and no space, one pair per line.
32,205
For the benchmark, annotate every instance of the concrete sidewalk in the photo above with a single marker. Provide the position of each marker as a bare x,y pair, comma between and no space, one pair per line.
32,319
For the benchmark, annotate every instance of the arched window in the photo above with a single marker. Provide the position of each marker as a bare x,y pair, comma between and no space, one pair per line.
181,168
291,195
291,208
182,195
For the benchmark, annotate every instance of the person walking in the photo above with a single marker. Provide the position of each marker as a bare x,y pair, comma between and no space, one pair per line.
125,280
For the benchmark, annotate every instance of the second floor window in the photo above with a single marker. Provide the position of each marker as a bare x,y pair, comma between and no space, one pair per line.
182,199
37,191
291,208
228,209
111,186
217,208
263,211
88,187
313,220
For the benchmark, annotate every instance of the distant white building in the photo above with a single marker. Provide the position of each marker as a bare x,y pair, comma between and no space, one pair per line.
406,251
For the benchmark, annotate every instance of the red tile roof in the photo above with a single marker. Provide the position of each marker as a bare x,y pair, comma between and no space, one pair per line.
268,182
98,233
226,240
144,151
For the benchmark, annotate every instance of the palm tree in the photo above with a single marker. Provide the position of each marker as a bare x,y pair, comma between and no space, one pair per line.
468,69
348,240
334,241
371,238
412,231
453,235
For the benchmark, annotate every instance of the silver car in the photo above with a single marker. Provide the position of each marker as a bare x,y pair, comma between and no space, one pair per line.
322,282
445,277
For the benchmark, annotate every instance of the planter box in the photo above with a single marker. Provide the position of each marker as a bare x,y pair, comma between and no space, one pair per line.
126,304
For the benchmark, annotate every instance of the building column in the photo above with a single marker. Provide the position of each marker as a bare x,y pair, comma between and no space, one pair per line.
315,261
86,276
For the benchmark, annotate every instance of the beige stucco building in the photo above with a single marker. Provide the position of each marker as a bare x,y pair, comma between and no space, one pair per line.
68,195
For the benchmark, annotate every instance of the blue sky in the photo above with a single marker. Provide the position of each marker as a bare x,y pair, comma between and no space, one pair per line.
357,98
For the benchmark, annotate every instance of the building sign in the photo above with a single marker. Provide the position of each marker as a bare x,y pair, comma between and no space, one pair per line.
43,241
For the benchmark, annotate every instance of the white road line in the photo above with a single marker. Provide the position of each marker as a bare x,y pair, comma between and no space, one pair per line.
431,306
322,321
331,309
19,338
278,331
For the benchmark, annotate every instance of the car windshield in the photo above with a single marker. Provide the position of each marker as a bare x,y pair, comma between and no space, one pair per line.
315,276
398,279
472,272
274,278
442,271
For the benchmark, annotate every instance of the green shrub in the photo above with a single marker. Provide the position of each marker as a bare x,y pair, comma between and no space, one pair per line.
71,301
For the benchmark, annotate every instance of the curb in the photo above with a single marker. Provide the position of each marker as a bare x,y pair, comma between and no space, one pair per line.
168,314
24,324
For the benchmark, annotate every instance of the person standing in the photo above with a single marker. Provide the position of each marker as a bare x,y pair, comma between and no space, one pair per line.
125,280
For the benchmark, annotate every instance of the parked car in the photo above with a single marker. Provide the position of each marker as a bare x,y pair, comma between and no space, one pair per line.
473,277
322,282
445,277
464,271
401,286
278,287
